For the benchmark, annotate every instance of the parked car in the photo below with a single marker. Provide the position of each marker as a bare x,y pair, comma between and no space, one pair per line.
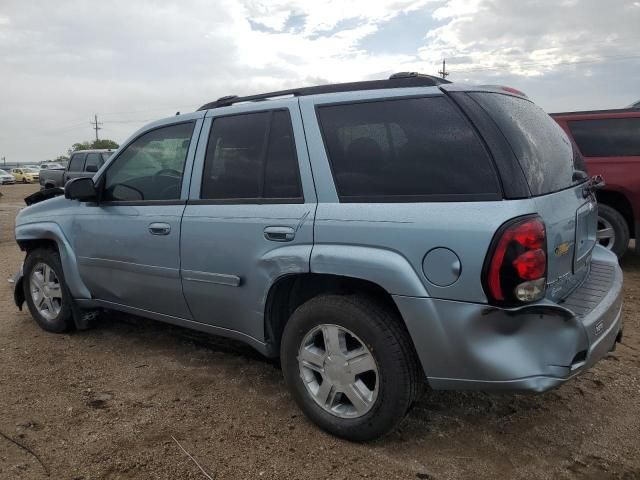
372,235
609,141
83,163
51,166
6,178
25,175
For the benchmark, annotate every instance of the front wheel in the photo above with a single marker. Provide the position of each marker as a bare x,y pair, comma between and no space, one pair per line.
45,291
350,365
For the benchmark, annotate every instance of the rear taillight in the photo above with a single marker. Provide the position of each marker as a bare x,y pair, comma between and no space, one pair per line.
516,268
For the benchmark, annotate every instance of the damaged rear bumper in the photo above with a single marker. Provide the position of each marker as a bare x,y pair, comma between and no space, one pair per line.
534,348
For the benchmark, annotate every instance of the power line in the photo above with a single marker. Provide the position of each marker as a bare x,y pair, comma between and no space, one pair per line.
551,65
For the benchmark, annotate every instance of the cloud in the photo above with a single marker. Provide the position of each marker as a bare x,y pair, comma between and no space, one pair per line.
130,62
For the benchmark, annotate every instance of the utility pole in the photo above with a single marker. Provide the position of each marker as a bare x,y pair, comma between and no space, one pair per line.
96,125
443,73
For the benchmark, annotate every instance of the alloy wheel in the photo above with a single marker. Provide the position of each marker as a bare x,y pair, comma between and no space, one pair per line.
339,371
46,291
606,234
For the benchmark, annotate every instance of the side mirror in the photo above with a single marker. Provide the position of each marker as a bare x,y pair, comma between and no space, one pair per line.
91,168
81,189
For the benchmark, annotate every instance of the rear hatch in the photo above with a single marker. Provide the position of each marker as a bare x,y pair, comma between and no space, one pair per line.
555,174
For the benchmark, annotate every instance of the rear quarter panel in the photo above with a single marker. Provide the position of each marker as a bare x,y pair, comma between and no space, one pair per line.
386,242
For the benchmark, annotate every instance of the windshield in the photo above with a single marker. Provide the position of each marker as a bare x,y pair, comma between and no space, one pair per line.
3,172
51,165
548,158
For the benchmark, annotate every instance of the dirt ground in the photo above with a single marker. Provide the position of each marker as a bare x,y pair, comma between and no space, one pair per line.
105,404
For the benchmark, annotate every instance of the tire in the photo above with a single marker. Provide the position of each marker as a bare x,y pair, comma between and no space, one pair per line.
398,380
610,219
49,318
24,180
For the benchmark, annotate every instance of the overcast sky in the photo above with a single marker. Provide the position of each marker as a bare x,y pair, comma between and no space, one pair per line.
135,61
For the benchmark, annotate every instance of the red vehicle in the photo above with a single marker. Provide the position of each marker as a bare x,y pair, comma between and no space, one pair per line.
609,141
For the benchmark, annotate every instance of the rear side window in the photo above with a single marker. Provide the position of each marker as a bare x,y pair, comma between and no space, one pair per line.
251,157
76,162
405,150
545,153
611,137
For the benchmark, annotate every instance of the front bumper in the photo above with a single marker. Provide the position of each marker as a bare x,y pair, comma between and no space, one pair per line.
536,347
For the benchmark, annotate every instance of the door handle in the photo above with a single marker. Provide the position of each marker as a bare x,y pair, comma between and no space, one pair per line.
159,228
279,234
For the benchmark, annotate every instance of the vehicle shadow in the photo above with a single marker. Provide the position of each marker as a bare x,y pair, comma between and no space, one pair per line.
159,335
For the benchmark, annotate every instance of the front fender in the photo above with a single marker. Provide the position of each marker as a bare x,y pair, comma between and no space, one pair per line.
385,268
52,231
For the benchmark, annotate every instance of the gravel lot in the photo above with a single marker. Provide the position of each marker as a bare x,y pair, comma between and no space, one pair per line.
105,403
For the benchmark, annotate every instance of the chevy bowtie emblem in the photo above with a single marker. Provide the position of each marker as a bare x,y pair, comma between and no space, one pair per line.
562,249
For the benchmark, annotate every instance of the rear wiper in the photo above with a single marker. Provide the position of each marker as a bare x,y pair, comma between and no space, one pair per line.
596,182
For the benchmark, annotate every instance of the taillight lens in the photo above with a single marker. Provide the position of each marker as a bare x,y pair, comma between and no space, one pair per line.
516,267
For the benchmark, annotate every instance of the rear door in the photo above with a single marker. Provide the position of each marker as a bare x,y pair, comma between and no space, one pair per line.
555,173
249,218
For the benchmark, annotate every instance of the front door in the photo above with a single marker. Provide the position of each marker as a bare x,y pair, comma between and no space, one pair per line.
128,244
249,219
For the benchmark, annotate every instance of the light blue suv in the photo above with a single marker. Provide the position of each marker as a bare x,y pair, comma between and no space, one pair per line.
376,236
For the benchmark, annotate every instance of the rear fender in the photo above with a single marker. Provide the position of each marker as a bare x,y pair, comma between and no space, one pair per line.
385,268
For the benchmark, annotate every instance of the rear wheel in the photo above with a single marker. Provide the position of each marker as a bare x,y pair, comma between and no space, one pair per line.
613,231
350,365
45,291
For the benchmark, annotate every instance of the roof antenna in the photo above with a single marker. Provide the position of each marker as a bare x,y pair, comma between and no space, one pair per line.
177,113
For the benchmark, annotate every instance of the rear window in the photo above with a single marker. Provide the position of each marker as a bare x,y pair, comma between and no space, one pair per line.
611,137
418,149
546,155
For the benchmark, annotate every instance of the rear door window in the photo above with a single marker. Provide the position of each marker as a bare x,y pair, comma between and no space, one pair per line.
251,157
406,150
546,155
611,137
